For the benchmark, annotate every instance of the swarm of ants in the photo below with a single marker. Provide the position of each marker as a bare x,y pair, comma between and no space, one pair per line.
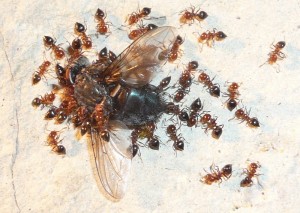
112,101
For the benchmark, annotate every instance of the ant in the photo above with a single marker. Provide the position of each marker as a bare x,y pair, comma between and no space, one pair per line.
79,30
216,175
276,54
250,173
53,141
211,123
43,68
141,30
243,115
45,100
134,17
214,89
189,16
195,107
233,94
75,50
172,54
58,51
106,57
209,37
178,141
102,26
182,114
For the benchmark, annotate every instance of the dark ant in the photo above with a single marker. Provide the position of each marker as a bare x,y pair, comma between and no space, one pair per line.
276,54
216,175
233,94
43,68
134,17
58,51
163,84
141,30
211,123
175,110
102,26
45,100
53,141
214,89
189,16
178,141
243,115
209,37
195,108
79,30
250,173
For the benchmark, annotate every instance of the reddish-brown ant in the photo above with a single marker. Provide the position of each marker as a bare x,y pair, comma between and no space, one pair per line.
178,141
75,50
276,54
43,68
233,94
175,110
209,37
79,30
250,173
45,100
58,51
172,53
243,115
216,175
188,17
134,17
195,107
102,26
211,123
214,89
141,30
53,141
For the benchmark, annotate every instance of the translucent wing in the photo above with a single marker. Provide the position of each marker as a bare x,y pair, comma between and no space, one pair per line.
137,64
113,159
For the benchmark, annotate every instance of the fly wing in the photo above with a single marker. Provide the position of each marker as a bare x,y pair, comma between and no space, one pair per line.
113,160
137,65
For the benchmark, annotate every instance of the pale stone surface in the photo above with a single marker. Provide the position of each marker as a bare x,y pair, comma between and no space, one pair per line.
33,179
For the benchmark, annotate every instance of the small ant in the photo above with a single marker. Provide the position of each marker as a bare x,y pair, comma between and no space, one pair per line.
189,16
243,115
182,114
250,173
75,50
214,89
163,83
43,68
53,141
171,54
106,57
141,30
211,123
178,141
233,94
134,17
79,30
102,26
276,54
45,100
216,175
209,37
195,107
58,51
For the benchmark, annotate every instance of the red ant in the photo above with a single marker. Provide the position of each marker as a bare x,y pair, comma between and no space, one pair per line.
195,107
43,68
102,26
233,94
58,51
45,100
175,110
135,34
172,54
243,115
250,173
276,54
79,30
214,89
53,141
178,141
211,123
216,175
209,37
189,16
134,17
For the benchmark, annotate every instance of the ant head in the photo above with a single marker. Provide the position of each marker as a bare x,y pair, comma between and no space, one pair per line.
221,36
215,91
193,65
154,144
227,170
76,44
146,11
103,53
179,39
202,15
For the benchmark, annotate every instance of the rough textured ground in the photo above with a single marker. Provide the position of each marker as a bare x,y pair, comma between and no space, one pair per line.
33,179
